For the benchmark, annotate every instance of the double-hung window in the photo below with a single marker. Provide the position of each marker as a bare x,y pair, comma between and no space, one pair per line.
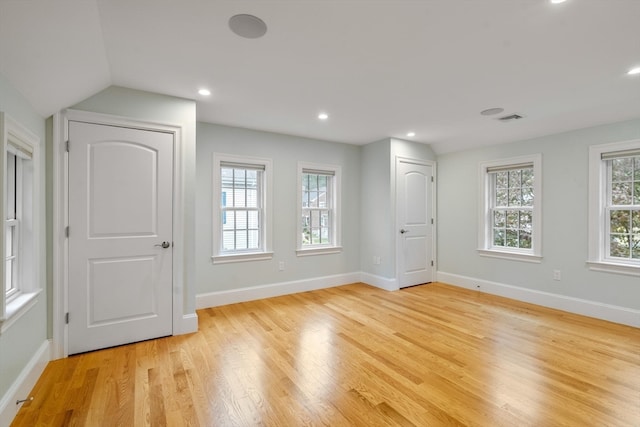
614,207
20,233
510,209
241,209
318,209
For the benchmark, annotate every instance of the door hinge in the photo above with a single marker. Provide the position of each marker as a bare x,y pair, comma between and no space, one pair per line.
68,150
67,147
431,221
66,318
66,231
431,263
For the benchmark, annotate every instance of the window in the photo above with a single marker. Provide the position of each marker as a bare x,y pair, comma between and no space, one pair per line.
241,209
614,207
510,209
20,232
318,210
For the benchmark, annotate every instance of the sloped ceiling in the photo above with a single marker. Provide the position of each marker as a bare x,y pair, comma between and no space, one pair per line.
378,68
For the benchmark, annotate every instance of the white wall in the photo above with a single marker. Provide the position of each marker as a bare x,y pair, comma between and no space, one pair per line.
285,151
20,343
564,220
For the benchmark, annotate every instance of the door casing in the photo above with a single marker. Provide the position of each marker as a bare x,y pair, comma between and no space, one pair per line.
61,218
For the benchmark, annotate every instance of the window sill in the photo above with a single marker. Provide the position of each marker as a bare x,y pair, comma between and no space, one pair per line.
244,257
514,256
613,267
319,251
17,307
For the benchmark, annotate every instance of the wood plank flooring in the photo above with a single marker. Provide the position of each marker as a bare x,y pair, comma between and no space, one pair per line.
432,355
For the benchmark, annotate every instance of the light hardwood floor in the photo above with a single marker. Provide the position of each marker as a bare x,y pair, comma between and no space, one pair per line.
432,355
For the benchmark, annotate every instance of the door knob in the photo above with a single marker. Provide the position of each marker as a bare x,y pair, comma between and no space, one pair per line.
402,231
163,245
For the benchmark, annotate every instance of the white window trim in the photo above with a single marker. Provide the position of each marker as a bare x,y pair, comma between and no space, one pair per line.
266,252
335,246
16,137
485,248
597,260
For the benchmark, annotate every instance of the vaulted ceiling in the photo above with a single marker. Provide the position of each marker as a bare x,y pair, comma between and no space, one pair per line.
378,68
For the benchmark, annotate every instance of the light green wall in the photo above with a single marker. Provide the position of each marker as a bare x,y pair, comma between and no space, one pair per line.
135,104
21,341
564,218
285,152
378,201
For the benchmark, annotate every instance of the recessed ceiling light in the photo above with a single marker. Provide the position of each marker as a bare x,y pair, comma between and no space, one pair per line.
491,111
634,71
204,92
557,1
323,116
411,134
247,26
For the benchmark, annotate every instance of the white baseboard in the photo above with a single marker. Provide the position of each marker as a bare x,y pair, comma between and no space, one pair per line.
612,313
379,281
214,299
188,325
22,386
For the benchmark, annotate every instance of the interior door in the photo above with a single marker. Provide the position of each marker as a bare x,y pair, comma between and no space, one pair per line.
414,221
120,235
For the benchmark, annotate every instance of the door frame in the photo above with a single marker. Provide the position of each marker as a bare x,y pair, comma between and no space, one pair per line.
60,244
397,239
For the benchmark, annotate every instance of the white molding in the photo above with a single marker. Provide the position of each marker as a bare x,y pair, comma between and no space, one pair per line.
61,214
386,283
251,293
188,325
612,313
22,386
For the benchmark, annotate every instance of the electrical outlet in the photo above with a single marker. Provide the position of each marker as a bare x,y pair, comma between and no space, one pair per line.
281,265
557,275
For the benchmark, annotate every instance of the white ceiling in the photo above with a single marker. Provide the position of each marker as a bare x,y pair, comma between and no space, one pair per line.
379,68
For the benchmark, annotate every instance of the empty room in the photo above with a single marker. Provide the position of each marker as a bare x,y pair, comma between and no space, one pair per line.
344,213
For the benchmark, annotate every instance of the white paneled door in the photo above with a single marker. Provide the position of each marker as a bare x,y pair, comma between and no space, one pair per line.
414,214
120,235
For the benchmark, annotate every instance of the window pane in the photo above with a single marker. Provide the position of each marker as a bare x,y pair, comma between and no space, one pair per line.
515,197
501,197
635,246
502,179
527,196
498,237
636,191
324,235
228,220
619,245
9,241
228,240
241,240
322,199
241,220
635,222
512,238
526,221
254,240
8,275
322,183
620,221
498,219
527,177
512,219
525,239
252,220
514,179
621,193
622,169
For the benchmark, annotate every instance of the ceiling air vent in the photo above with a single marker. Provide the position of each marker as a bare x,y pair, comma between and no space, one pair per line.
510,117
